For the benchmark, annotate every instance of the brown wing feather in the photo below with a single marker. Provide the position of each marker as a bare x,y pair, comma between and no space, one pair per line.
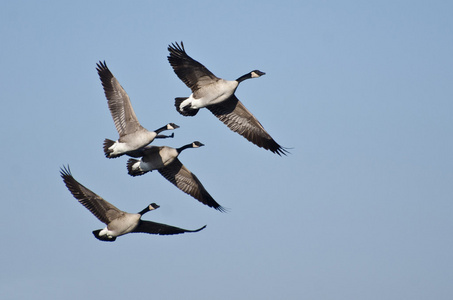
239,119
102,209
118,101
187,182
190,71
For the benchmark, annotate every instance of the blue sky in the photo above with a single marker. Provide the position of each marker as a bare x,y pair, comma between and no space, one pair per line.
361,93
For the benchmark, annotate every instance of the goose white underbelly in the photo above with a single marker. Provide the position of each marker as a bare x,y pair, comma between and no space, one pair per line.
211,94
132,142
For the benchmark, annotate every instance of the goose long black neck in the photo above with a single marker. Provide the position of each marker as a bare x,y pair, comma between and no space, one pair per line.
244,77
163,128
252,74
144,211
150,207
184,147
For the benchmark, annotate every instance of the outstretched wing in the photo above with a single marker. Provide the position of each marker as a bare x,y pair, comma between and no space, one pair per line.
102,209
190,71
118,101
161,229
239,119
187,182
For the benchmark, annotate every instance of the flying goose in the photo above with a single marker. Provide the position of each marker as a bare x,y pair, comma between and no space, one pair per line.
118,222
217,95
132,134
165,160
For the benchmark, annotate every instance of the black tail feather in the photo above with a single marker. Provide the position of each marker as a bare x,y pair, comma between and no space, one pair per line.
108,153
103,238
131,171
186,111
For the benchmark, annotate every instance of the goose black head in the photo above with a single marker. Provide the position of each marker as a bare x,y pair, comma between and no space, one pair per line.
153,206
172,126
256,73
197,144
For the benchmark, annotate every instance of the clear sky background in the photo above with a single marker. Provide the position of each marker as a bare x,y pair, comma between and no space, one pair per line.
362,93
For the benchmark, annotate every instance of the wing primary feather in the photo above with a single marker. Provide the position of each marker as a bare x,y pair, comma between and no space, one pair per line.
99,207
187,182
161,229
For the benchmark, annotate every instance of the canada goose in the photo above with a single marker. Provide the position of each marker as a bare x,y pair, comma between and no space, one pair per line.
118,222
132,134
165,160
217,95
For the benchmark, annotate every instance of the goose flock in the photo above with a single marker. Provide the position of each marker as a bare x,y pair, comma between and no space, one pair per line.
209,91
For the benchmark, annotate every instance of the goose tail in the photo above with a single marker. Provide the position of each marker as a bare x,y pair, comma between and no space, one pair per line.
133,167
186,110
103,238
108,149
